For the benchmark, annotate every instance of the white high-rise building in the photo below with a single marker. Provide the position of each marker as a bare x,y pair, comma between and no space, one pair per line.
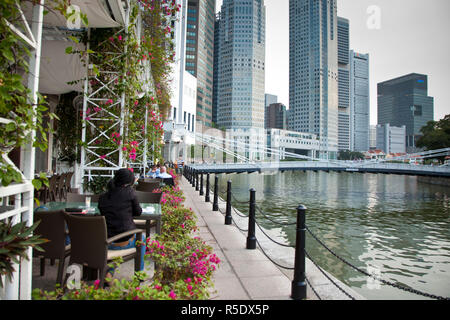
182,116
313,71
391,139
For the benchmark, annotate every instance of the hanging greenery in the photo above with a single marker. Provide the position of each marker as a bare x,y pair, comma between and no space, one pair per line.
119,60
17,113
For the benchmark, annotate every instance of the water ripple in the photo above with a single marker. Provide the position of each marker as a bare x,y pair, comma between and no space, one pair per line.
388,222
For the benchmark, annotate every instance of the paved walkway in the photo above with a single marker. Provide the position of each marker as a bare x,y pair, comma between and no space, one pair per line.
248,274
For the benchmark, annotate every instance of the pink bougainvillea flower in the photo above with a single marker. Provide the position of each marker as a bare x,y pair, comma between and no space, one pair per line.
172,295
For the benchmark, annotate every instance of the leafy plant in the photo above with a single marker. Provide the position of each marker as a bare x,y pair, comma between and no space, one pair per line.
15,239
19,114
97,185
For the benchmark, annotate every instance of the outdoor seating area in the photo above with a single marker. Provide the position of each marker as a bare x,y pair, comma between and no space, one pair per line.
77,232
59,186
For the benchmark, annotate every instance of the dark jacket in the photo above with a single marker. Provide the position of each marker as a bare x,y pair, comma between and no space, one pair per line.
119,206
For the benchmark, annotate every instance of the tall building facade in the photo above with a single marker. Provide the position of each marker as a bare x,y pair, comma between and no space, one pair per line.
216,68
269,99
313,71
276,116
359,102
343,84
391,139
241,79
184,84
200,54
184,98
405,101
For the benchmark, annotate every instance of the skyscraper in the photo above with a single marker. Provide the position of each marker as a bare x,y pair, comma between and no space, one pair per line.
276,116
359,102
343,84
200,53
241,80
216,68
313,71
405,101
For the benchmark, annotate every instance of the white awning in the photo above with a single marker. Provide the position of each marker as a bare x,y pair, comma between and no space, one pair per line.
59,68
97,12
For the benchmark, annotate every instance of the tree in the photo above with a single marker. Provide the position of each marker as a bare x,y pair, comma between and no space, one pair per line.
350,155
435,134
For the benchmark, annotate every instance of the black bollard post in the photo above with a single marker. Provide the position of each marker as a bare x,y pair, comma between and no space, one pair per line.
298,290
201,183
207,188
228,209
215,206
251,238
196,180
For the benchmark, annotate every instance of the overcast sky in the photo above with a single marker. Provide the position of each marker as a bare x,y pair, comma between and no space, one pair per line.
413,36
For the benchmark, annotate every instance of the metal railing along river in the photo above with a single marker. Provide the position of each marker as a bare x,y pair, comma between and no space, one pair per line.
300,281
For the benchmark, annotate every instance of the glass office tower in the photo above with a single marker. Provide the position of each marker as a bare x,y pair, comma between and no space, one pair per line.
200,54
313,71
241,79
405,101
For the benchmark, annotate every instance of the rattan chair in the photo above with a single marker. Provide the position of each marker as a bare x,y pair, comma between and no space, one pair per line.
67,182
89,244
61,186
147,197
52,227
147,186
52,188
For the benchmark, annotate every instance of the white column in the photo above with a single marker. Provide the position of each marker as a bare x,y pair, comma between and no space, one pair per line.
29,154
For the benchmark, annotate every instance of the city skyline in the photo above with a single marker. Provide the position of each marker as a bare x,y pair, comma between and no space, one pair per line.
424,49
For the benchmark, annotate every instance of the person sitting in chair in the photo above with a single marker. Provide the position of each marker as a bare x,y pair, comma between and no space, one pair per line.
119,205
152,173
163,173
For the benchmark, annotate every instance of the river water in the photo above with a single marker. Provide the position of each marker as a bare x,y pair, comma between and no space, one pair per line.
391,226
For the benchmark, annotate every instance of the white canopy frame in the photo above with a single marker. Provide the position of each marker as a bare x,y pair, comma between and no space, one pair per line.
114,159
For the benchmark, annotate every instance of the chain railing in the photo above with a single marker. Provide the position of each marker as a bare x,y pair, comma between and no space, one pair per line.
395,285
300,281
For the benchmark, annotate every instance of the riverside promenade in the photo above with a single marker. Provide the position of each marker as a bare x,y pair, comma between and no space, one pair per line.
242,274
248,274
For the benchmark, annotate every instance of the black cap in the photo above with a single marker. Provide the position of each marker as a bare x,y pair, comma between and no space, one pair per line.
123,176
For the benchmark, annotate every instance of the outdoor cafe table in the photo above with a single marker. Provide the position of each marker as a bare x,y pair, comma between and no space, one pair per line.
150,211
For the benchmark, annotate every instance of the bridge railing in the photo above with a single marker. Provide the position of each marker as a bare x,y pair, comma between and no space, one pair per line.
327,165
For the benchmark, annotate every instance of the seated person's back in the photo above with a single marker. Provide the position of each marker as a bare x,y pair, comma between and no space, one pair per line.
119,204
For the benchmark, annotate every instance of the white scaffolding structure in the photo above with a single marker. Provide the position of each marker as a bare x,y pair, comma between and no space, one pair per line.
113,115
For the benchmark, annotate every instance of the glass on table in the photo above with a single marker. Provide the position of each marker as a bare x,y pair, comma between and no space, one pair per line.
88,202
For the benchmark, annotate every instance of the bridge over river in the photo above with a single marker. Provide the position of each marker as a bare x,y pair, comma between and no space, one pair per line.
325,165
